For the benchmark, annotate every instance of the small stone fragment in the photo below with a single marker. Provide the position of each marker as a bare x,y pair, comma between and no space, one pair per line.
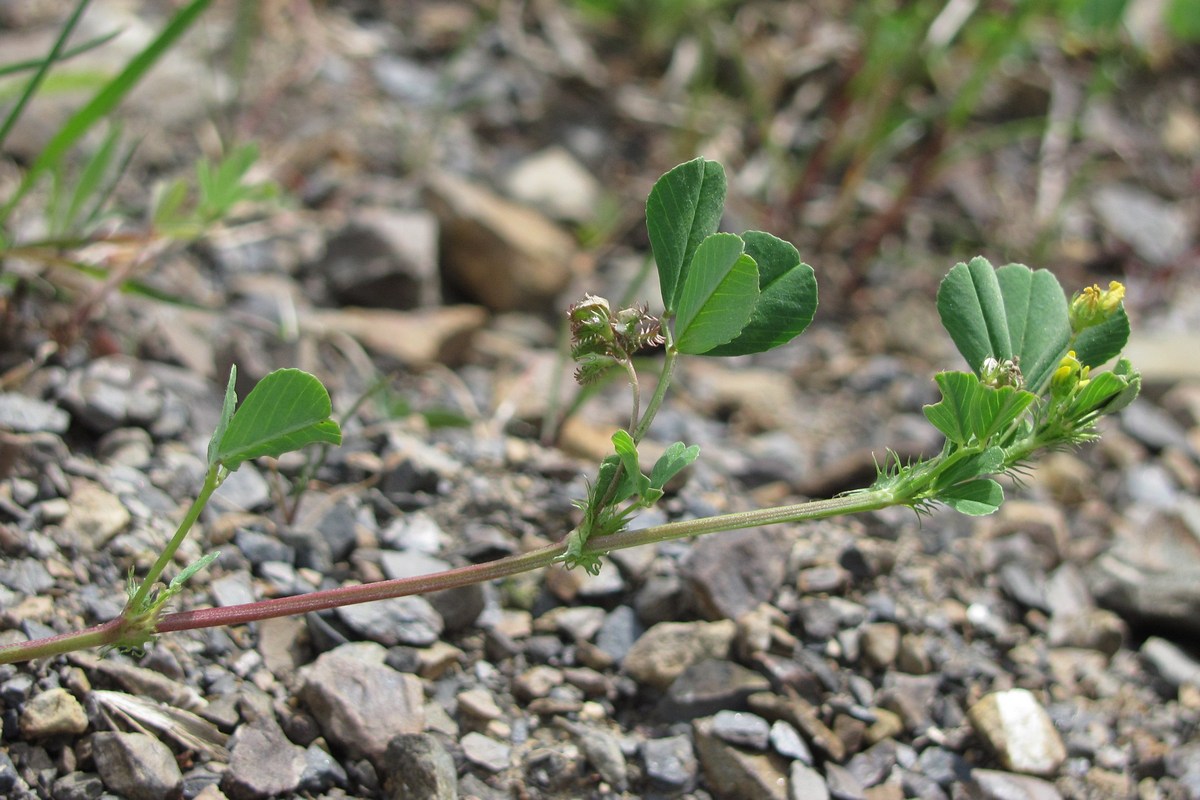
709,686
730,575
880,642
135,765
506,256
664,651
670,762
384,258
996,785
486,752
805,783
95,514
414,338
1019,730
24,414
399,620
418,765
734,773
54,711
360,702
263,762
555,183
741,728
786,741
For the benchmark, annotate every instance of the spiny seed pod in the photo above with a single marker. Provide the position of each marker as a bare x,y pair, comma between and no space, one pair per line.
601,340
637,329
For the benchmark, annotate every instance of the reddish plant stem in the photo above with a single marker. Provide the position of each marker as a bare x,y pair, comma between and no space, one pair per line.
362,593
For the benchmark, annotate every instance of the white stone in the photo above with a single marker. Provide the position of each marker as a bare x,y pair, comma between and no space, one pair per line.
1016,726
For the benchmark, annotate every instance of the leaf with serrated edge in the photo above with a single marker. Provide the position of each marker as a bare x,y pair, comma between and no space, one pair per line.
673,460
627,451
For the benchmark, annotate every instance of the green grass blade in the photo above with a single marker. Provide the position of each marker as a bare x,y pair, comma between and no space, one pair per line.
106,191
91,179
107,98
30,88
66,55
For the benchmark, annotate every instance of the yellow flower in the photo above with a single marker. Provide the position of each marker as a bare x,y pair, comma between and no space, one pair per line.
1068,376
1095,305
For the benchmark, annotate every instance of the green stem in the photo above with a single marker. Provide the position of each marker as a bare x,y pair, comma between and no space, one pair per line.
212,479
660,391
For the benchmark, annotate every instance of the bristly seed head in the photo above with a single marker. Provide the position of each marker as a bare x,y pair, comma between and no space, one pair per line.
601,340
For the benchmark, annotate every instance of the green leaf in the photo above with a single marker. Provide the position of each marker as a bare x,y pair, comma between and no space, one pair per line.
998,408
718,295
14,67
287,410
973,412
42,69
787,299
1095,345
972,310
962,466
1183,20
684,208
674,459
1107,392
1038,322
975,498
627,451
1006,313
191,569
227,409
952,414
95,184
1133,386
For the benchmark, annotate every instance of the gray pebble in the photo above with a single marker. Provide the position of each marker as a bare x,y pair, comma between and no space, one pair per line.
670,762
742,728
399,620
486,752
135,765
418,765
23,414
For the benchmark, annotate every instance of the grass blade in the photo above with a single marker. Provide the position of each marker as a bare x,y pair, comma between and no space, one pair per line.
107,98
43,67
65,55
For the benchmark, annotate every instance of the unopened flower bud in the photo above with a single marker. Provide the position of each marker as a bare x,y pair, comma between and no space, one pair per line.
1068,376
1095,305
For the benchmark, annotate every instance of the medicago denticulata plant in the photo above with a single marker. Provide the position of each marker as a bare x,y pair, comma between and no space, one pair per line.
1033,385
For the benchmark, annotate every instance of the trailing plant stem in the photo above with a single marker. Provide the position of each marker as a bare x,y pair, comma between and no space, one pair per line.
118,630
513,565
